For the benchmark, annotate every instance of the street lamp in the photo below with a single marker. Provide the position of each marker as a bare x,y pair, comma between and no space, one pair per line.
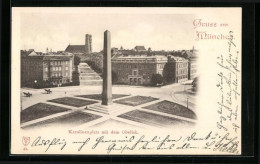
187,102
35,81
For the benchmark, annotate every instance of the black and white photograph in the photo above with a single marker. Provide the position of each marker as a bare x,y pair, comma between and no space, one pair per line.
126,81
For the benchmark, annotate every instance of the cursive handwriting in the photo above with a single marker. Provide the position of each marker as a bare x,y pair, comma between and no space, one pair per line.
39,142
210,140
228,86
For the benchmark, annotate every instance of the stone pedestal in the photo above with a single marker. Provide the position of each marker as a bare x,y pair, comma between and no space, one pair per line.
107,71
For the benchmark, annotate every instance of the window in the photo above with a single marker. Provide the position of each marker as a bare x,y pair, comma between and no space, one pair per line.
55,63
66,74
53,68
59,68
46,69
67,68
66,62
51,63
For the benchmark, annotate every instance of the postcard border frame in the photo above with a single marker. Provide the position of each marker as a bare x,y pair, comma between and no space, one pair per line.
248,88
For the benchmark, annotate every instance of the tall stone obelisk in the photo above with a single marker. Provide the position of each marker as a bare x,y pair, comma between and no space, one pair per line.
107,72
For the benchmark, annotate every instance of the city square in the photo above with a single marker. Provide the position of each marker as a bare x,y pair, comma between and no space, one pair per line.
143,89
87,110
125,81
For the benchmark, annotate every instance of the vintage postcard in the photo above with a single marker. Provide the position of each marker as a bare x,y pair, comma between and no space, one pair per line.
126,81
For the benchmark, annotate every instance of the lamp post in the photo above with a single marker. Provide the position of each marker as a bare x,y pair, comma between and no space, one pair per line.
187,102
35,81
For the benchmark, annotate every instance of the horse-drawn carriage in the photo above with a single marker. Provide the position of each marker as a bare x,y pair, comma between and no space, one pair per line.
27,94
48,91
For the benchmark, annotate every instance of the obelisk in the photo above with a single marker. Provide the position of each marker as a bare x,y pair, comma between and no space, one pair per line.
107,72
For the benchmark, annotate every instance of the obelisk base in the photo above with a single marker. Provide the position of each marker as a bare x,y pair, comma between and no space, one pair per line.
107,102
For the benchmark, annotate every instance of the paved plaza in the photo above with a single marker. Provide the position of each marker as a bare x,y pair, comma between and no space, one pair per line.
133,106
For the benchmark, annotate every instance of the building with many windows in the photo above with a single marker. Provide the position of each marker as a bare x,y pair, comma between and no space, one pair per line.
192,68
39,67
178,69
137,69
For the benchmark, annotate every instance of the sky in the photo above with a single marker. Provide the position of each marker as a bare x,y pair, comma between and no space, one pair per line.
56,30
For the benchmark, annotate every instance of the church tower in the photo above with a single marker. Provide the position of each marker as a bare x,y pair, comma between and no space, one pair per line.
88,44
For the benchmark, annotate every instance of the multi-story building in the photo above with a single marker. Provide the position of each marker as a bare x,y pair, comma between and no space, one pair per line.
178,71
193,63
81,49
31,68
137,69
39,67
192,68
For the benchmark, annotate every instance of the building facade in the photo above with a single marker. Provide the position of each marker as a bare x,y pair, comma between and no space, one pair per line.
137,69
31,69
37,68
178,69
58,67
192,68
